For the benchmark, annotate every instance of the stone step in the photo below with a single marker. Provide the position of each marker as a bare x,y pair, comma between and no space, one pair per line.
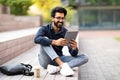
13,43
6,17
10,26
10,22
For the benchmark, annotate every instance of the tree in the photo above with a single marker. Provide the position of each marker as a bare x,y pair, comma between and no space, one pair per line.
44,7
18,7
3,2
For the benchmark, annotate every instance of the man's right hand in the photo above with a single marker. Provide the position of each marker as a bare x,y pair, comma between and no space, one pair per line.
59,42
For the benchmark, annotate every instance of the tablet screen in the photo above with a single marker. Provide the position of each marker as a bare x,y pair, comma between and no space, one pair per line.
71,35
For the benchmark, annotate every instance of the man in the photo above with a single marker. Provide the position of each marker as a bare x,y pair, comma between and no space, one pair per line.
51,40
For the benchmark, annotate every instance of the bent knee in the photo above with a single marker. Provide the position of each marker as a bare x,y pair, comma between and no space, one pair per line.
85,58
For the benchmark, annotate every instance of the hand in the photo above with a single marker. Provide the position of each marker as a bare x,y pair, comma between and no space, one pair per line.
59,42
73,44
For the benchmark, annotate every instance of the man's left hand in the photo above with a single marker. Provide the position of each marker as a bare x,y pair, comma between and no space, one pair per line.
73,44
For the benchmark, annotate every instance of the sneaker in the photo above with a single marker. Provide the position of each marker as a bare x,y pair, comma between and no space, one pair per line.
52,69
66,70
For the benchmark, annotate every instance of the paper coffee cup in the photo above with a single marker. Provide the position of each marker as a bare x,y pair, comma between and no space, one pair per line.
37,72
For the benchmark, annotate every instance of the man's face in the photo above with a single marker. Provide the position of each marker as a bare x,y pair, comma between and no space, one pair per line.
58,20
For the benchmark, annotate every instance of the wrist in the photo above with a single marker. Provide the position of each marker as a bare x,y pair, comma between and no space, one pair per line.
74,48
53,42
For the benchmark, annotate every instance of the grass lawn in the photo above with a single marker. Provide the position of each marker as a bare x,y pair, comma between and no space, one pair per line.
118,39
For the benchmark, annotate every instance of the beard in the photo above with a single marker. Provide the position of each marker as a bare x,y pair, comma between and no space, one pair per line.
58,24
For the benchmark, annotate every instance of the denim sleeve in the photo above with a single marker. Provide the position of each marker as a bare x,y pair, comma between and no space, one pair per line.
40,38
73,52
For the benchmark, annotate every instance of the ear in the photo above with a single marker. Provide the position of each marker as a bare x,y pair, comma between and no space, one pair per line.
52,18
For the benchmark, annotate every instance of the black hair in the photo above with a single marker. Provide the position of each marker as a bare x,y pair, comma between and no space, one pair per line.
58,9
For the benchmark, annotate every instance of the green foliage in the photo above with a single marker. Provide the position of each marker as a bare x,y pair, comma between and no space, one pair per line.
72,2
18,7
3,2
70,13
45,7
118,39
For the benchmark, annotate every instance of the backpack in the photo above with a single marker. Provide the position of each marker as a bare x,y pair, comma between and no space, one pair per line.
16,69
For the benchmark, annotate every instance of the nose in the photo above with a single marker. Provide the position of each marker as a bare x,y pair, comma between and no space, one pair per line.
61,20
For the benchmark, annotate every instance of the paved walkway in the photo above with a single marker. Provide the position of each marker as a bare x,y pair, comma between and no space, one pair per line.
104,55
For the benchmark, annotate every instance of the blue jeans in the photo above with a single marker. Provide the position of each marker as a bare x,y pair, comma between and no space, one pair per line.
47,56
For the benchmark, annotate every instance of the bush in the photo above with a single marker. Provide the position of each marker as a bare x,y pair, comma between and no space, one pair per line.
18,7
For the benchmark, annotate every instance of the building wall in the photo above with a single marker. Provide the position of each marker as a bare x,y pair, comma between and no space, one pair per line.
98,14
102,17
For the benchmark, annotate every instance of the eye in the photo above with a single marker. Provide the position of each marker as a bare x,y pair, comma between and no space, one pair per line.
59,18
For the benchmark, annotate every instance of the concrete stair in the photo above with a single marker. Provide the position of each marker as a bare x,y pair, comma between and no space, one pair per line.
13,43
10,22
16,35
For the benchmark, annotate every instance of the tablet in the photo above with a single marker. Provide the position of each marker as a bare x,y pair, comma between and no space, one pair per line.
71,35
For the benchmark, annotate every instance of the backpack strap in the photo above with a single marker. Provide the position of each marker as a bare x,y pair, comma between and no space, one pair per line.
27,70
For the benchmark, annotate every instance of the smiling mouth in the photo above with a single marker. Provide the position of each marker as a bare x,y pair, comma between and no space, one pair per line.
60,23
